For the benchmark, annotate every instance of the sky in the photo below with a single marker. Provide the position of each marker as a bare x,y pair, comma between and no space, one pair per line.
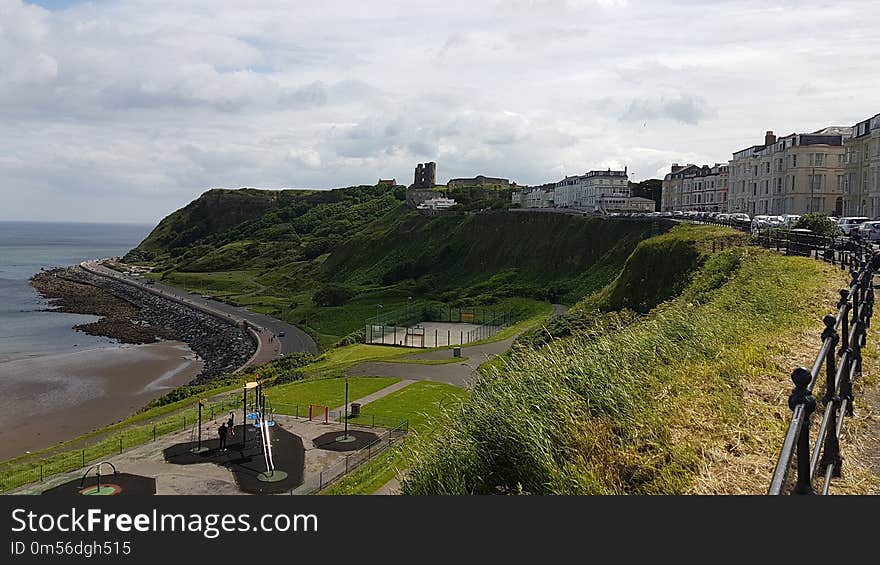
126,110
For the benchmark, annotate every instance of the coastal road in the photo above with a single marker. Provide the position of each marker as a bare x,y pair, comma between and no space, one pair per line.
294,340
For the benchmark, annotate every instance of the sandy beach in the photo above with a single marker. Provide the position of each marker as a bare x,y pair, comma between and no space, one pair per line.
54,398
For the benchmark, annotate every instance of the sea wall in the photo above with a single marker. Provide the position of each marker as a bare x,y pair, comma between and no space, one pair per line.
223,345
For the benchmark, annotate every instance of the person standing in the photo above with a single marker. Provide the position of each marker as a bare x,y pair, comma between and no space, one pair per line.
230,424
222,431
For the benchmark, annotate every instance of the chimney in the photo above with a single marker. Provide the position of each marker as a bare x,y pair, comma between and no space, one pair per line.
769,138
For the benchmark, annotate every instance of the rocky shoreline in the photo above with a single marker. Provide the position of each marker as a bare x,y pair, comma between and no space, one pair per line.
134,316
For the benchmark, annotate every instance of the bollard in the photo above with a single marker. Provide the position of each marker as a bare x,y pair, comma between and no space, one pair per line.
120,444
41,472
83,459
801,397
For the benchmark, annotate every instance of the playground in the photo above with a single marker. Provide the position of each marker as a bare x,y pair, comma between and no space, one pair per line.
268,454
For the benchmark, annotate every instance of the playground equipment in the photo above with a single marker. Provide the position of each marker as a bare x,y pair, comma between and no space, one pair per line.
99,489
263,421
317,410
345,437
196,431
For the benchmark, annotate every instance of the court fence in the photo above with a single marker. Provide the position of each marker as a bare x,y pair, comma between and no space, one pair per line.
420,326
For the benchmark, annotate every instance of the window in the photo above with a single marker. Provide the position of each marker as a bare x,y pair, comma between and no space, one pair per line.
794,160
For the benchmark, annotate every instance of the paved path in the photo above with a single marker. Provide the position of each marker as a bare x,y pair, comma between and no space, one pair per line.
294,339
376,395
459,374
391,487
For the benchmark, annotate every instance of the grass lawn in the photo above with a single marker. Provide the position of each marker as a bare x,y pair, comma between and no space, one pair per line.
420,403
329,392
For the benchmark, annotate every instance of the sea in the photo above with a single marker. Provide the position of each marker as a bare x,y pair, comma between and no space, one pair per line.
27,330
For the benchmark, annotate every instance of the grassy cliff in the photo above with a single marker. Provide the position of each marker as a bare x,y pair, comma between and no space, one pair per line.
640,403
326,260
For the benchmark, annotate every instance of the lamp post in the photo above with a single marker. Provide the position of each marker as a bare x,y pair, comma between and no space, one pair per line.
346,408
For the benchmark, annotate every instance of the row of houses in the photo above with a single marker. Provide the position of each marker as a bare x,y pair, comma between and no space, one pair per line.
598,192
835,171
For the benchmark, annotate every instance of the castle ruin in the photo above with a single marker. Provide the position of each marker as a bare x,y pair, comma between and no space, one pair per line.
425,176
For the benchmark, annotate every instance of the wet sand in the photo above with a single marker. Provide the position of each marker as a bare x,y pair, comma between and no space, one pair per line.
45,400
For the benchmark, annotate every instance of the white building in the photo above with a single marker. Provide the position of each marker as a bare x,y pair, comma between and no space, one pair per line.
437,204
595,191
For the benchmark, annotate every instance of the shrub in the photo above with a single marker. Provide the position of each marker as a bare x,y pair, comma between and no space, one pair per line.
818,224
333,295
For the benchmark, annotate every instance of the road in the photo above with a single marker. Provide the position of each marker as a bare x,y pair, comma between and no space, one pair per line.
294,339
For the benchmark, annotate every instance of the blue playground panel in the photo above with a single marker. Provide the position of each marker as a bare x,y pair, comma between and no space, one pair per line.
270,423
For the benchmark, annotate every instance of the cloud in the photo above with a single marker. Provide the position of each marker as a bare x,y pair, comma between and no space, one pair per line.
141,105
686,109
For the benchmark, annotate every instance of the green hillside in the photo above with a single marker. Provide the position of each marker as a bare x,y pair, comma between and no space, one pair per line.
326,260
684,397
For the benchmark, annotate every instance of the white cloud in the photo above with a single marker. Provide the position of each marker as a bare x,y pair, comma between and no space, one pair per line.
137,106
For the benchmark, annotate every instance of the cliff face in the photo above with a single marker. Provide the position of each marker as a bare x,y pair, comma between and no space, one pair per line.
214,211
284,252
366,236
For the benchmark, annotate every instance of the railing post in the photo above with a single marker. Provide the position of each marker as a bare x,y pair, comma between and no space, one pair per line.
800,396
831,449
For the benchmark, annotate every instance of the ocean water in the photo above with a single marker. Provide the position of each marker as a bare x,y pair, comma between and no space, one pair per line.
26,330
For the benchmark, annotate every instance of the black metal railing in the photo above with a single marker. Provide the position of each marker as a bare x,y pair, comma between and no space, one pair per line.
840,355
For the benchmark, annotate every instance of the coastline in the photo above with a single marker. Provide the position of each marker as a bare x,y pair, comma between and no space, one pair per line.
132,315
49,399
159,346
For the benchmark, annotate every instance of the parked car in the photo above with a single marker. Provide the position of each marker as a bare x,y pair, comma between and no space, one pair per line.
740,217
869,231
789,220
760,222
848,223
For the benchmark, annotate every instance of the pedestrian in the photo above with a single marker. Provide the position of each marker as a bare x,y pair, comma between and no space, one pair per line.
875,261
230,423
222,431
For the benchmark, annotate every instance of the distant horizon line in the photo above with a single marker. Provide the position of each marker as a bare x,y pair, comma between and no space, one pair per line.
86,222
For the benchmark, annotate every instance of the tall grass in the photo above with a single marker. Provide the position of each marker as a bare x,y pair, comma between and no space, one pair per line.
628,411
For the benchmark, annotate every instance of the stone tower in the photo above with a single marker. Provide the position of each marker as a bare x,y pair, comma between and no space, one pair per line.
425,175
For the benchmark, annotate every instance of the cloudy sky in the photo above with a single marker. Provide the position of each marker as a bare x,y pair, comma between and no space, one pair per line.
129,109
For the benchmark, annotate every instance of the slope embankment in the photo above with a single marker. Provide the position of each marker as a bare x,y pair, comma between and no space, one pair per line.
688,396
